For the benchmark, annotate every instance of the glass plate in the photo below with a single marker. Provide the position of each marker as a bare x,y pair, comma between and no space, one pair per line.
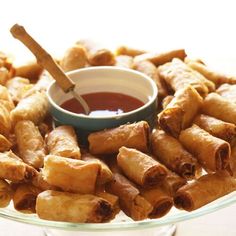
121,222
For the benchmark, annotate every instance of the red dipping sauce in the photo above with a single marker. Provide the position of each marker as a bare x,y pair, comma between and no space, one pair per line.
103,104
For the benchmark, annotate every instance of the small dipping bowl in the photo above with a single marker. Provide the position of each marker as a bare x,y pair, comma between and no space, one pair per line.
104,79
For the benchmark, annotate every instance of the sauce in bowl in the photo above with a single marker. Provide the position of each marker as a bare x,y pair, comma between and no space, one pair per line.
103,104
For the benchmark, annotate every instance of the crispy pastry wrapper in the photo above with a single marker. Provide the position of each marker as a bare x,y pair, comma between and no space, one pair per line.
109,141
70,174
158,58
6,98
172,154
34,107
24,198
204,190
14,169
5,144
62,141
132,52
212,153
5,122
219,107
178,75
140,168
5,193
131,202
30,143
216,127
228,92
180,112
124,61
69,207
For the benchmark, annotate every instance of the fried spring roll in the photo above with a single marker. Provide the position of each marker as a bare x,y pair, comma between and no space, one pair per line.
109,141
131,202
181,111
39,182
171,153
5,98
5,193
204,190
30,143
24,198
150,70
228,92
124,61
69,207
215,77
97,55
140,168
178,75
216,127
71,175
212,153
5,144
34,107
4,75
132,52
5,122
219,107
62,141
161,58
14,169
74,58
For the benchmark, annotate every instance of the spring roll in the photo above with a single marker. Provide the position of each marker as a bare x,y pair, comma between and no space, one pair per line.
5,144
178,75
34,107
204,190
5,193
130,135
212,153
4,75
30,143
139,167
124,61
69,207
39,182
24,198
219,107
71,175
181,111
228,92
131,202
14,169
5,122
161,58
97,55
132,52
216,127
62,141
74,58
171,153
5,98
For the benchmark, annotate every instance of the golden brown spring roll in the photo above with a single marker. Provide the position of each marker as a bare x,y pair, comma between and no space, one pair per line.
69,207
30,143
4,75
166,101
14,169
124,61
160,200
5,144
171,153
216,77
204,190
132,52
71,175
5,98
219,107
150,70
131,202
178,75
97,55
39,182
139,167
5,122
62,141
181,111
212,153
161,58
24,198
34,107
74,58
5,193
130,135
228,92
105,175
216,127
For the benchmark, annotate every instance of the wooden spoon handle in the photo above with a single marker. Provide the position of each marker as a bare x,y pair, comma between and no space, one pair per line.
43,58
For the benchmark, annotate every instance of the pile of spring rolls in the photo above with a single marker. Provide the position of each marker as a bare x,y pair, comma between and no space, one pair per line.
187,161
